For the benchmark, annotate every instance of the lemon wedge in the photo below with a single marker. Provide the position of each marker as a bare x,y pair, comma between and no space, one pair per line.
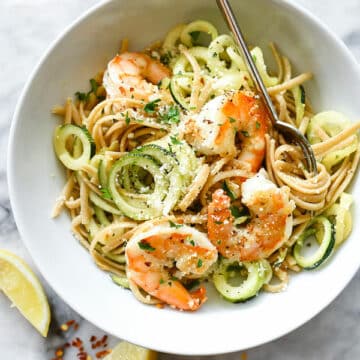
23,288
127,351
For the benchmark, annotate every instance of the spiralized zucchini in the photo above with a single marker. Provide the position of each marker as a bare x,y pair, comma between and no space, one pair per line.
328,124
340,215
221,66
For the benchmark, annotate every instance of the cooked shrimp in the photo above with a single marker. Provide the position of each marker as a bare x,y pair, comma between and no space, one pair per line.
269,227
213,131
134,75
158,259
252,124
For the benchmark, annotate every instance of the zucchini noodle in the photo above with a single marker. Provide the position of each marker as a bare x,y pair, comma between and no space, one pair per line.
131,163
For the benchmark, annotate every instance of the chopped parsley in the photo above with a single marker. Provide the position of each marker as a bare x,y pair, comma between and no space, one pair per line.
192,242
82,96
257,125
192,284
232,120
151,106
194,36
172,116
173,225
218,222
175,140
94,85
106,193
228,191
144,245
161,281
199,263
165,58
235,211
127,119
245,133
254,58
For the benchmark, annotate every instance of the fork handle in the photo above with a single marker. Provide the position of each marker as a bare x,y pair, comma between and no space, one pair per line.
229,17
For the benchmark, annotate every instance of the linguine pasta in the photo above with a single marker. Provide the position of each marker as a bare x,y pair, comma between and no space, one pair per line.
121,124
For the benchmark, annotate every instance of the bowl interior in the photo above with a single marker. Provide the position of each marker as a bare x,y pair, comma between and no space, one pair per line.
35,176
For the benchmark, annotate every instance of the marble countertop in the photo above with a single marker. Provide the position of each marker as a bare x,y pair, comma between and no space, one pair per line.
26,30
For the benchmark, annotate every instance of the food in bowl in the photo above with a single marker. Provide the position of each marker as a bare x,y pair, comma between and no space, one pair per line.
175,175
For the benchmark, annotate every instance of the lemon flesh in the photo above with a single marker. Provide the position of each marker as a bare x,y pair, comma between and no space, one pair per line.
127,351
23,288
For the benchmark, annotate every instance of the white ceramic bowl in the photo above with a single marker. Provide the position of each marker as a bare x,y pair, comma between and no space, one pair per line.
35,176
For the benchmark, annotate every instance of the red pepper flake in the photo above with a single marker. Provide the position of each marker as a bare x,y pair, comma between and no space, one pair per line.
97,344
76,326
67,345
93,338
103,353
104,339
59,352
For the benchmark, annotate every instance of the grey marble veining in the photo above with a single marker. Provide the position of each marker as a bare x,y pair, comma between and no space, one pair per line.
26,30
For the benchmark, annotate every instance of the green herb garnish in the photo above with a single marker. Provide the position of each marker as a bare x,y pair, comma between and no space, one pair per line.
151,106
228,191
82,96
235,211
192,284
232,120
176,226
245,133
127,119
94,85
175,140
172,116
199,263
257,125
106,193
165,58
144,245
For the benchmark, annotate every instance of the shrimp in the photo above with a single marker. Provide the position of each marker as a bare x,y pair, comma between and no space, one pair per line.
158,259
269,227
225,119
134,75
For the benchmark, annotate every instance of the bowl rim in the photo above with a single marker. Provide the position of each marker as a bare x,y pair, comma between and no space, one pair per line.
288,4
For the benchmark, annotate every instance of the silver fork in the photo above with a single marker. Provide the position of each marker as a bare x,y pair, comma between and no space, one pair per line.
289,131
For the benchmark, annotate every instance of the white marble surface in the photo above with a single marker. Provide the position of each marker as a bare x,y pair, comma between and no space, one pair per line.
26,30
